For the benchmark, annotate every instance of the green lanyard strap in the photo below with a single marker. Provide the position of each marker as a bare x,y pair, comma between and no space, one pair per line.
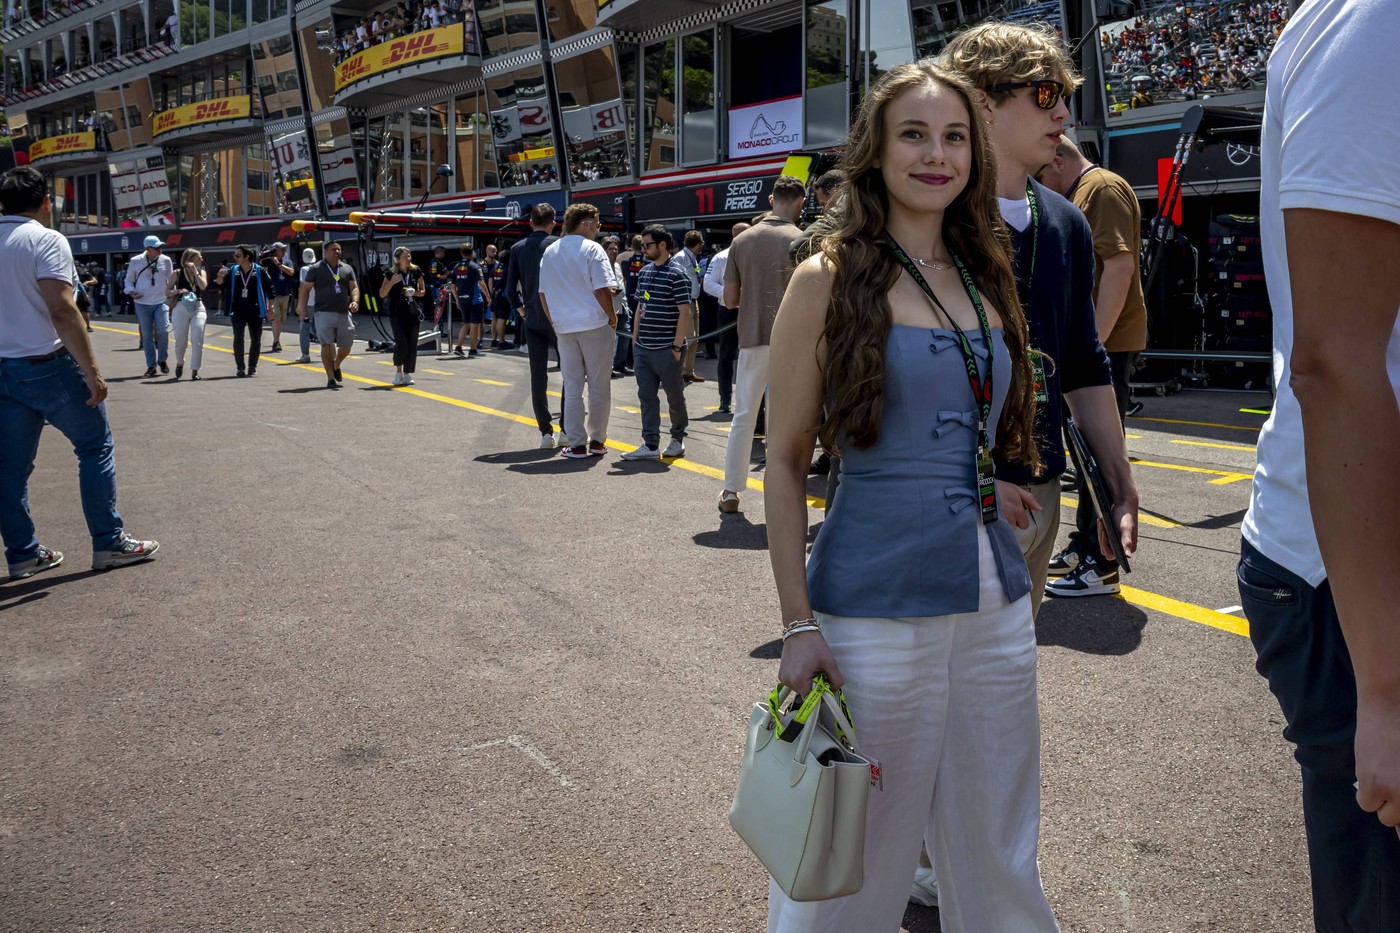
981,386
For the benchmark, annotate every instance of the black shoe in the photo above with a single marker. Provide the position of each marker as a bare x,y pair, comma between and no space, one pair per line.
331,384
194,376
1069,477
724,410
179,370
459,353
241,374
1134,409
338,376
164,368
820,467
151,373
1088,579
252,372
1065,562
276,348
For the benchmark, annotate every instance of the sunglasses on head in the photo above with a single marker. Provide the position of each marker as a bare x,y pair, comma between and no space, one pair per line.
1047,93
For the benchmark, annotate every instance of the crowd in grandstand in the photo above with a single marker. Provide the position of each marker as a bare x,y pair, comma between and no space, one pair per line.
408,16
1181,51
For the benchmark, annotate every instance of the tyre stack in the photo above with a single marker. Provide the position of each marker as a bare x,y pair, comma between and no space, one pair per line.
1239,318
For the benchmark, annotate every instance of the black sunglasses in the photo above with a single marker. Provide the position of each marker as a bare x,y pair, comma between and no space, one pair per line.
1047,93
646,243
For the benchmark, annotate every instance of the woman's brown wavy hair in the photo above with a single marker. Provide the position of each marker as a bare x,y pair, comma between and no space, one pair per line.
858,318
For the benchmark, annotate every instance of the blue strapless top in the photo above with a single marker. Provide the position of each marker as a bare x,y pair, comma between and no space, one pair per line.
901,538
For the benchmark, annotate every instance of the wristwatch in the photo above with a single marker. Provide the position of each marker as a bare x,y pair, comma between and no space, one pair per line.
680,349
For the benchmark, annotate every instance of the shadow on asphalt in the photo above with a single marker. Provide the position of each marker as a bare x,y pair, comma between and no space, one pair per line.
634,467
555,466
735,533
298,391
769,651
1093,625
921,919
17,593
519,456
1228,520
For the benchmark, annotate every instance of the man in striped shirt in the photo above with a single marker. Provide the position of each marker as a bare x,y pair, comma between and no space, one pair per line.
664,311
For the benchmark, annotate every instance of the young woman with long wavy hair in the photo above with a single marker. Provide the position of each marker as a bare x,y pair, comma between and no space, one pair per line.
902,345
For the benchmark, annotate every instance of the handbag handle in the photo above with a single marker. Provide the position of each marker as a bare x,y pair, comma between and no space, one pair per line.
821,694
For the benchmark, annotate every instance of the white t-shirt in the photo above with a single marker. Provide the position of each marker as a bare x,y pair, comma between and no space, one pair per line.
310,299
1016,212
1321,93
29,251
572,267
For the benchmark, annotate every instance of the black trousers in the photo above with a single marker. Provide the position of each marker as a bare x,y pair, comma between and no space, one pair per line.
254,326
1085,538
1354,858
540,342
728,354
405,340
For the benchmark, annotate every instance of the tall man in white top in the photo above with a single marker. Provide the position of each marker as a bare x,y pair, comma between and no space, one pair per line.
577,298
48,375
146,276
1322,534
754,282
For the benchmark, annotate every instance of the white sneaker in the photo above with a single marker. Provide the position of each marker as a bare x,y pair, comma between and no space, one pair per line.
925,890
674,449
559,439
398,379
408,379
643,453
546,442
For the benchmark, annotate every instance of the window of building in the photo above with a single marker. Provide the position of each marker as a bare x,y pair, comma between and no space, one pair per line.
595,129
336,152
274,63
659,105
568,18
887,35
141,192
506,26
827,95
526,151
319,63
474,150
699,137
765,87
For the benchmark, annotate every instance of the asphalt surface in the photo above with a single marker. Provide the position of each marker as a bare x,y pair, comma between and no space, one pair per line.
397,669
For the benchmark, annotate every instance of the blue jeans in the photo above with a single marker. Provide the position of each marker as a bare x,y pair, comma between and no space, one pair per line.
1354,859
155,317
53,391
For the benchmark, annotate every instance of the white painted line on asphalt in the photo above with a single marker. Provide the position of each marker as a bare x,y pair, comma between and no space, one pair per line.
1230,609
284,427
518,743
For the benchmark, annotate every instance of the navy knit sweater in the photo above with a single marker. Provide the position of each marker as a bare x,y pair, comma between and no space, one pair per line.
1059,305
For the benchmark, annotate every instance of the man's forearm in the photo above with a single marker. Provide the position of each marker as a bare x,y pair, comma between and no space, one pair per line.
604,297
683,325
1117,276
68,322
1095,410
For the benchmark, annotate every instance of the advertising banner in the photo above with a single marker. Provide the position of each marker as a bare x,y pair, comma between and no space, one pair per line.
209,111
418,47
766,128
62,145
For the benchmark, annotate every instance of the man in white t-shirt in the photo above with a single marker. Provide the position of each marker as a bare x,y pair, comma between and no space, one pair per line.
577,298
48,375
1322,535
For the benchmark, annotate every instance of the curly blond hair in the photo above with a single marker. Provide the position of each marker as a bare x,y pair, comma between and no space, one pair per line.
1008,53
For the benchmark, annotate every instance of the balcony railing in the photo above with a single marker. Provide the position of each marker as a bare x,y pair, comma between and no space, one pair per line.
19,23
111,65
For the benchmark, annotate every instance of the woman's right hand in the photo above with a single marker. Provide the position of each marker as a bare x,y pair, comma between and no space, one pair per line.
805,655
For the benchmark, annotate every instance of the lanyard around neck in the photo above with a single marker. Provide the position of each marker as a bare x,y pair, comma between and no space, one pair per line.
981,386
1035,230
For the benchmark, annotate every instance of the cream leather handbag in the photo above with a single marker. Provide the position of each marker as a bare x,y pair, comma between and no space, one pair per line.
800,803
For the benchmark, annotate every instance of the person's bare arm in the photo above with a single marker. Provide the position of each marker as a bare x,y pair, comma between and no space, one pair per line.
683,325
63,312
794,412
1118,272
1095,410
1346,290
303,296
604,297
731,294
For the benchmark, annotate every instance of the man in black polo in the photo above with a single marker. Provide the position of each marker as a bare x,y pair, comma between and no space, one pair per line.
337,298
522,290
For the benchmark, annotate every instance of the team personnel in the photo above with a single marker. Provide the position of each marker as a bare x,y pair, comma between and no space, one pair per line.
467,281
145,281
664,310
523,292
186,286
725,317
631,262
337,295
1120,315
247,296
689,260
403,289
48,374
576,295
1321,538
439,272
283,278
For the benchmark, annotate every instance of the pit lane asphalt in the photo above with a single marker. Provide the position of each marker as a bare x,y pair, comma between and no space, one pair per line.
397,669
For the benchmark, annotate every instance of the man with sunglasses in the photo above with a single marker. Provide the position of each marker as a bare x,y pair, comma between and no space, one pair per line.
146,276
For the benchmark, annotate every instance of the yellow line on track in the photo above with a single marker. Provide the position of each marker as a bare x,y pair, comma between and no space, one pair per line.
1072,502
1164,604
486,382
1198,424
1249,449
443,372
1226,476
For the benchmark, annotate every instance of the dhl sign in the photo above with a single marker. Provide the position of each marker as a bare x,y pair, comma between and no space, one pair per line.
62,145
208,111
419,47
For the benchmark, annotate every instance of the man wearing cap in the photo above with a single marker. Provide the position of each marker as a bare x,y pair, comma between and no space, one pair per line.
283,276
146,277
307,329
